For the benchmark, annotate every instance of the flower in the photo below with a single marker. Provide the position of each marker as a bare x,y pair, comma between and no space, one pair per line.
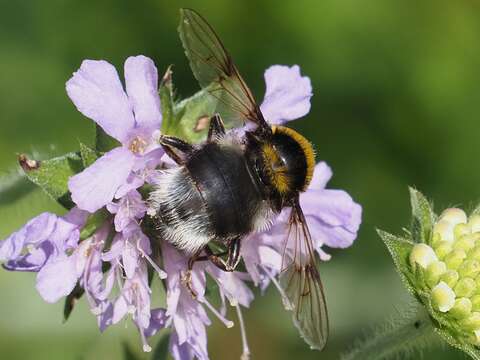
111,263
439,262
133,118
41,246
450,266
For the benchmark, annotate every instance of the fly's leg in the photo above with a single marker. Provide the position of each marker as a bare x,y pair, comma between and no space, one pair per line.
233,258
216,129
187,278
176,148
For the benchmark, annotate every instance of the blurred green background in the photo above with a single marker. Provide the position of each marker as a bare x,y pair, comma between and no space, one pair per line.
396,103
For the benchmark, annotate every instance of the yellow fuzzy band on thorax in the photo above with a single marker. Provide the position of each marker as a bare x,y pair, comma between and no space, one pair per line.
276,171
305,145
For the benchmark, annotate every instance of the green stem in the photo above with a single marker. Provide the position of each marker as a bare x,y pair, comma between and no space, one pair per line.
398,337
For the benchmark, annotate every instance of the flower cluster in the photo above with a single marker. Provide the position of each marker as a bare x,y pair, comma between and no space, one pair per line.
450,266
111,264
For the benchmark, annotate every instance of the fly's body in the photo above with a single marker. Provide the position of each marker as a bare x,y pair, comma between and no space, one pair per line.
214,196
230,186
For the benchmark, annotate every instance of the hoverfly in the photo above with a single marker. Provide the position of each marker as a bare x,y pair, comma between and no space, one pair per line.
230,186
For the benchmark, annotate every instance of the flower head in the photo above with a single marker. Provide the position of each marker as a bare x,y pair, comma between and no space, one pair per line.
111,263
440,264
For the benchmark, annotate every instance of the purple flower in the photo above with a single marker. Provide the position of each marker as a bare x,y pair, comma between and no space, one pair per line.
134,299
41,246
133,118
287,96
130,208
111,266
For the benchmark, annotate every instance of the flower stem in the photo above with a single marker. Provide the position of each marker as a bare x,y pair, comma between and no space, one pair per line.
402,336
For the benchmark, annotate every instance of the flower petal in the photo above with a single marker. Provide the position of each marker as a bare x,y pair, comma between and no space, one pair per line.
129,260
120,309
333,215
97,92
95,186
57,278
35,231
158,320
105,318
321,175
287,96
141,80
33,261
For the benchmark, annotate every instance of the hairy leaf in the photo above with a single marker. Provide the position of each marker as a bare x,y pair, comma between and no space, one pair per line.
103,141
192,116
166,99
423,217
52,175
400,249
88,155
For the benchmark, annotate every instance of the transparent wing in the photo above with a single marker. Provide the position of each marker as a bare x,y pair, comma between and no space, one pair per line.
301,283
215,71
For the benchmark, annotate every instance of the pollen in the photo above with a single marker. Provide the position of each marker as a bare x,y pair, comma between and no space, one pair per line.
138,145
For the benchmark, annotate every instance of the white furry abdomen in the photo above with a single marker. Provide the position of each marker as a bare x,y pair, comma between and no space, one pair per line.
180,210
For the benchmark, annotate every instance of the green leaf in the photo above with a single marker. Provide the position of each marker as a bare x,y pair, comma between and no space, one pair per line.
88,155
52,175
71,300
400,249
166,99
94,221
161,349
103,141
14,187
423,217
192,116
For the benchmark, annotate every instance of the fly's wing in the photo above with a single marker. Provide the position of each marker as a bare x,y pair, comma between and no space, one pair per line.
215,71
301,284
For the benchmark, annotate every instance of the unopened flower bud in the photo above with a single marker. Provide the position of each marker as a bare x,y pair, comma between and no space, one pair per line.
450,278
454,216
436,240
465,287
434,271
423,255
462,308
475,299
472,322
461,229
469,268
443,297
444,229
465,242
474,254
455,259
474,223
442,249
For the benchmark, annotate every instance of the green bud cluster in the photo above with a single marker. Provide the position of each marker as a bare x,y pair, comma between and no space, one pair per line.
450,264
